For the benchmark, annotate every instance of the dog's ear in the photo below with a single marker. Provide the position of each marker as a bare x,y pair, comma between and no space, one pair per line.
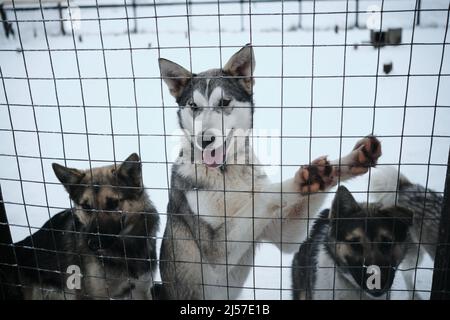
399,213
344,205
175,76
242,64
69,177
129,172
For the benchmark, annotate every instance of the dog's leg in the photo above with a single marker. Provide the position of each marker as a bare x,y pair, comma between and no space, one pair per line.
302,197
222,263
249,222
363,156
304,194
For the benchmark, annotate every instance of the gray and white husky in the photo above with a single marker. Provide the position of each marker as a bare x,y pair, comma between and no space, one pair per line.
108,237
221,203
348,245
390,187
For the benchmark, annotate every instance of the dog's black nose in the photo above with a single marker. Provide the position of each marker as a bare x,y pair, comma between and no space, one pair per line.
93,243
97,242
207,140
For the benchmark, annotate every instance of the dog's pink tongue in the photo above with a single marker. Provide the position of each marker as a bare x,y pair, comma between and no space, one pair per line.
213,157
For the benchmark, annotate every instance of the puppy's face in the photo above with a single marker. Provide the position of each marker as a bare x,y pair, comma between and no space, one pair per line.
103,198
368,235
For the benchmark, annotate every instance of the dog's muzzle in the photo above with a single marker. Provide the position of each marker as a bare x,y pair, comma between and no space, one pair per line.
214,148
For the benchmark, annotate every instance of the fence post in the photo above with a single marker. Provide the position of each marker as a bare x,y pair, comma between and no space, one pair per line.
7,27
419,6
242,15
357,14
299,14
189,12
6,250
63,31
440,289
135,16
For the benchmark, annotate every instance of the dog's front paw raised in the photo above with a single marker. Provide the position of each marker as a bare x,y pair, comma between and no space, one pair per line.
365,154
318,176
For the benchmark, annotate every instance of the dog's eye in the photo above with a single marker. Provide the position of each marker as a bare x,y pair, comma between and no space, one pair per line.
357,247
224,102
86,206
193,105
385,247
112,204
386,244
355,244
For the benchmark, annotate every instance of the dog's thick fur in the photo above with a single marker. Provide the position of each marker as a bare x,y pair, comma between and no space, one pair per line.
219,210
344,241
391,187
109,234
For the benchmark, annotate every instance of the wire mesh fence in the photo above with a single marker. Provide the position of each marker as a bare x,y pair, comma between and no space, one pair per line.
129,172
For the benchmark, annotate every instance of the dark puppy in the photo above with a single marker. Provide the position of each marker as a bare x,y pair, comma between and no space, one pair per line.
347,246
102,248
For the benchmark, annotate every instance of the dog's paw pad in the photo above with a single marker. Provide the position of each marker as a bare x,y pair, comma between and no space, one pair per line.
368,150
317,176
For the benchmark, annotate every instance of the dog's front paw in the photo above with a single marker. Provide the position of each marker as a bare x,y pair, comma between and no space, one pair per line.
366,153
318,176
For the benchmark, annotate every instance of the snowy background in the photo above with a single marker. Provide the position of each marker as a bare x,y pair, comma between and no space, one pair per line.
47,114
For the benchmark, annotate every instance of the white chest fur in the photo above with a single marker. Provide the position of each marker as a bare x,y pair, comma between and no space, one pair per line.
223,194
214,206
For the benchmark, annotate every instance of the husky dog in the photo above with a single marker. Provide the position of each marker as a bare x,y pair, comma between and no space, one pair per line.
108,237
337,260
221,204
390,187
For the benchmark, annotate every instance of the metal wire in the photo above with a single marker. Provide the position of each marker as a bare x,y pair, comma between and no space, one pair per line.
20,16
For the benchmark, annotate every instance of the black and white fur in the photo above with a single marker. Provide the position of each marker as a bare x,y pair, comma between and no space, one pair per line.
391,187
205,255
344,241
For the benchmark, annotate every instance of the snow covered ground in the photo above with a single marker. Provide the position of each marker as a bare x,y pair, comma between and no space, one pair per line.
46,95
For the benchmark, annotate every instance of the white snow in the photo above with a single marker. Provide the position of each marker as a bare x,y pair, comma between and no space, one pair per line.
369,103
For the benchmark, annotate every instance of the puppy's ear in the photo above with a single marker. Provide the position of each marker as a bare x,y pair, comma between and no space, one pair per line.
344,205
69,177
399,213
175,76
242,64
129,172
